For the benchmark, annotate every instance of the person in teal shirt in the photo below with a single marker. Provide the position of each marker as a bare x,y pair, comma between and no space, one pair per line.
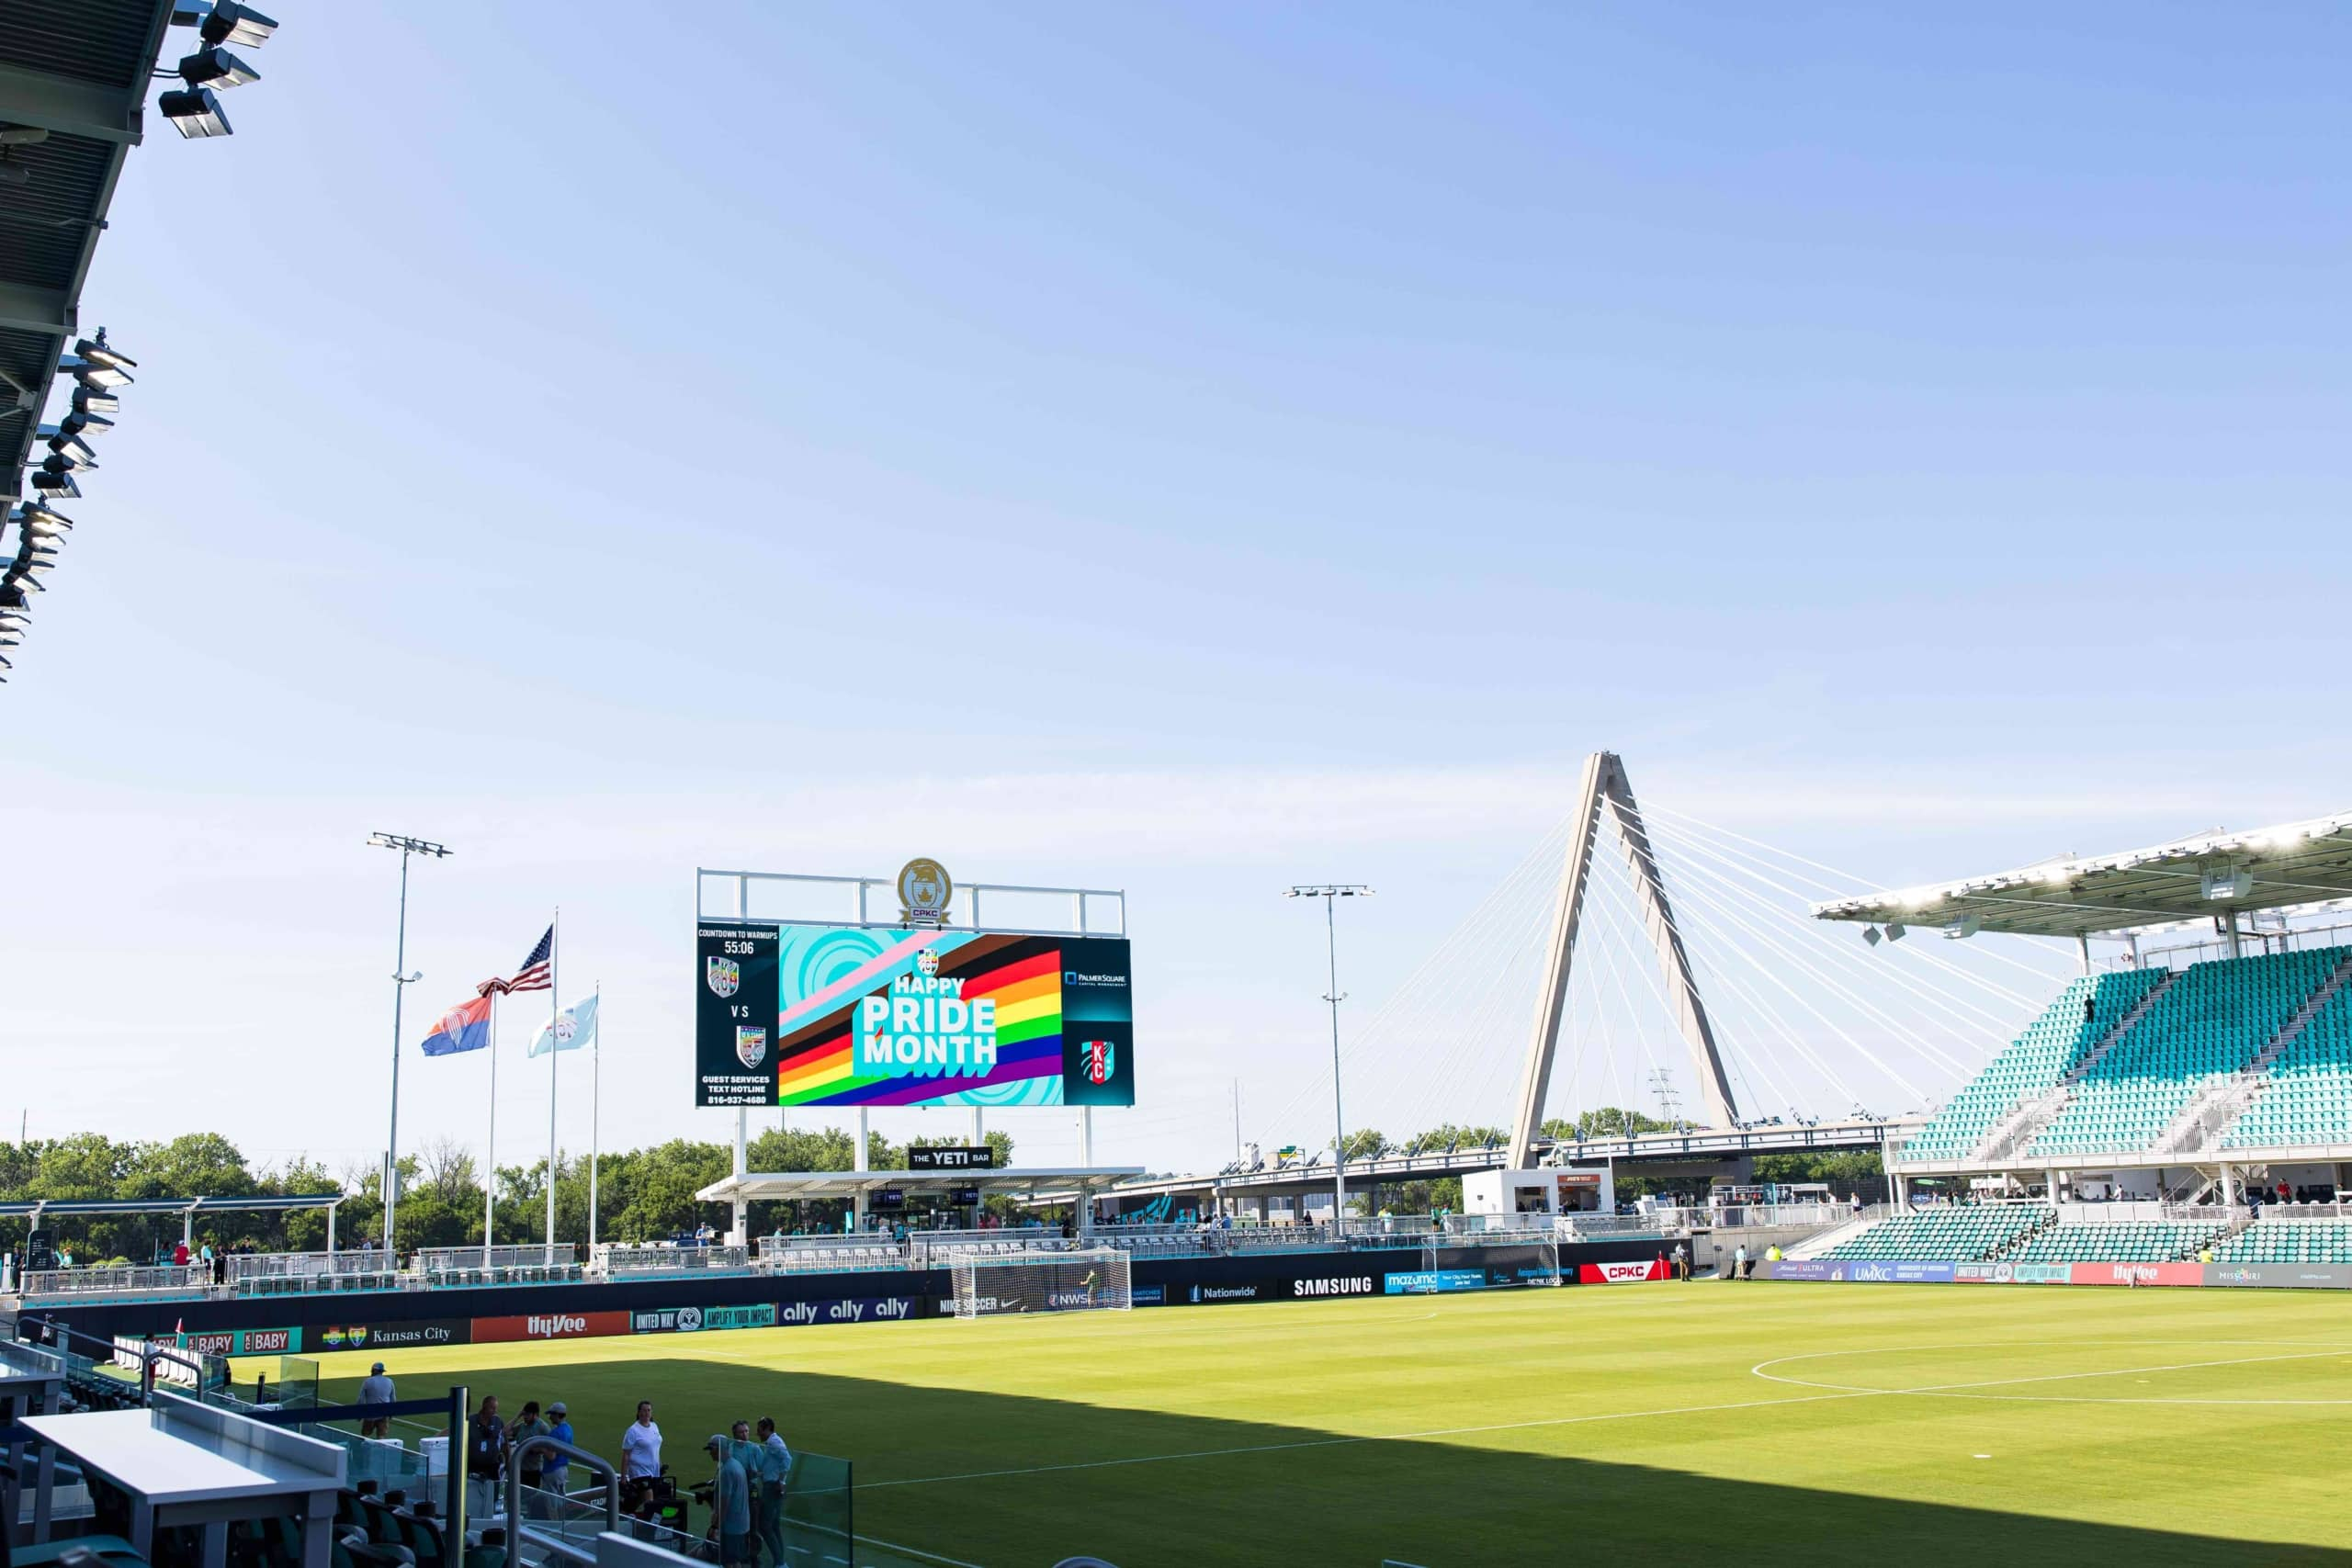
731,1503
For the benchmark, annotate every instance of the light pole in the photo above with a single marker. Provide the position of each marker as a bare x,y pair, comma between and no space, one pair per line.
1329,891
401,982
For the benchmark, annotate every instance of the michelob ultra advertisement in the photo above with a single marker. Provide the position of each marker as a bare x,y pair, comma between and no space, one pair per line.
850,1015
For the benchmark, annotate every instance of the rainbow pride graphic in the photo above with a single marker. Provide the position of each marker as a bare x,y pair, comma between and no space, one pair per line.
827,972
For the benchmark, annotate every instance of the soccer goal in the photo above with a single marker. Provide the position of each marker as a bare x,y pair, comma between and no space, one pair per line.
1037,1280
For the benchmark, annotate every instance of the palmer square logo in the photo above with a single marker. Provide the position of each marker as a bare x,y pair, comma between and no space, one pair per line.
724,976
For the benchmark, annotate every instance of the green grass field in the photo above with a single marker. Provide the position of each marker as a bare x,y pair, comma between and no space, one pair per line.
1659,1424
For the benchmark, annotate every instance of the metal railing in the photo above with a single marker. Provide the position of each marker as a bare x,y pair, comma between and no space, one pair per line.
307,1265
193,1276
523,1529
615,1261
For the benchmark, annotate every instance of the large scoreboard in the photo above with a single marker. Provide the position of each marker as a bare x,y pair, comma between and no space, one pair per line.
856,1015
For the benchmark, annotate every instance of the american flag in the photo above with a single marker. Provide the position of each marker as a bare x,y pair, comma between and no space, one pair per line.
533,975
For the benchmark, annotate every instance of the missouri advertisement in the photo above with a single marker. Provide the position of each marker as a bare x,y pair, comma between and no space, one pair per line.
890,1016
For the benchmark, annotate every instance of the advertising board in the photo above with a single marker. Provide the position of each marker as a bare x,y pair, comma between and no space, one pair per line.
1623,1273
2280,1276
550,1325
395,1335
2135,1273
1429,1282
968,1156
695,1320
851,1015
245,1342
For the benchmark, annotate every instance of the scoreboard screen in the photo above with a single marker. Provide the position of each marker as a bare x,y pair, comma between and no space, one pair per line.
852,1015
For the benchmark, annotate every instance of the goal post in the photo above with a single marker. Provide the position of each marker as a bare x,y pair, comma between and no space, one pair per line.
990,1284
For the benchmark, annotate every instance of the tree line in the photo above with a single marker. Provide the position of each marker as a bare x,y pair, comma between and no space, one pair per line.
644,1194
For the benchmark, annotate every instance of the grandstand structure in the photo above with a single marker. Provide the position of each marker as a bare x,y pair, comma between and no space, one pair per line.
2182,1098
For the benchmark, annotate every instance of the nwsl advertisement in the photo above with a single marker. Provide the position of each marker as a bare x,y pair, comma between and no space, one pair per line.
847,1015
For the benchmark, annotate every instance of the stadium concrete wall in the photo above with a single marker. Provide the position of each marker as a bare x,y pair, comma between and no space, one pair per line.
311,1325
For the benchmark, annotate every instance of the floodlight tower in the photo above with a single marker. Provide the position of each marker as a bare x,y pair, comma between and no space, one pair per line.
402,981
1327,892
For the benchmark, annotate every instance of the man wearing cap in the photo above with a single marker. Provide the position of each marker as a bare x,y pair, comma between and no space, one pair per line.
558,1469
731,1503
376,1389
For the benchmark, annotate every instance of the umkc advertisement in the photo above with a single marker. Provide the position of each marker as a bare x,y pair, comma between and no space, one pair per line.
847,1015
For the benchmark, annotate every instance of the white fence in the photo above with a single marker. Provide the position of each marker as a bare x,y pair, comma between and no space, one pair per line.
615,1261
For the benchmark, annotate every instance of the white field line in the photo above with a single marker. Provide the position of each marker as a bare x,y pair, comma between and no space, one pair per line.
1962,1390
1836,1393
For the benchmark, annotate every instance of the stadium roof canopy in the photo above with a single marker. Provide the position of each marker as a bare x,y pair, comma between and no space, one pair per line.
2214,873
773,1185
78,70
272,1203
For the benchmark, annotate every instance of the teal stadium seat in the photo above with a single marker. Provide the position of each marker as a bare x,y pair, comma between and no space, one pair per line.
2214,1021
2281,1240
2309,1097
2032,1064
2132,1241
1960,1233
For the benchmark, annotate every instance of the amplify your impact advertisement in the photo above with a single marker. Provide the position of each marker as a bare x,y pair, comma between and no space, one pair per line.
850,1015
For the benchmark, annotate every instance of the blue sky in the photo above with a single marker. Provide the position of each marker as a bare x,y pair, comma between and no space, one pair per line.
1187,448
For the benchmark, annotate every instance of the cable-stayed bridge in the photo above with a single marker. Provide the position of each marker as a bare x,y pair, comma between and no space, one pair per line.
1644,958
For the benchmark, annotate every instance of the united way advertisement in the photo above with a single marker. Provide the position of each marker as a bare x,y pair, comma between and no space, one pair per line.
891,1017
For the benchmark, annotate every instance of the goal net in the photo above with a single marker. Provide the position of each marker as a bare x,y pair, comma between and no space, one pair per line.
988,1284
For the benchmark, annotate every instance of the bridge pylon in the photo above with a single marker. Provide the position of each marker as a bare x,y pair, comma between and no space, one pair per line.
1605,787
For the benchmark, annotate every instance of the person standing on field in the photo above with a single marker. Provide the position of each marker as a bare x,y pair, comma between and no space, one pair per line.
768,1500
641,1445
731,1503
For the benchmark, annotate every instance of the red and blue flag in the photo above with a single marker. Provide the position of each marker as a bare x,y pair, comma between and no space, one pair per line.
465,1027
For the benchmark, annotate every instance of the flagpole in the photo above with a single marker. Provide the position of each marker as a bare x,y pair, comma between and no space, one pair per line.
490,1149
555,1058
596,1112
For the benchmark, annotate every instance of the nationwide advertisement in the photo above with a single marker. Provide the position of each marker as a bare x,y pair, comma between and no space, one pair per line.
695,1320
921,1017
405,1336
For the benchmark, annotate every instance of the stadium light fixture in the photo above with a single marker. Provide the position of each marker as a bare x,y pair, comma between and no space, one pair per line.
39,520
71,452
105,375
1964,928
216,67
1869,935
93,403
97,351
78,423
53,485
230,23
1895,929
195,113
1329,892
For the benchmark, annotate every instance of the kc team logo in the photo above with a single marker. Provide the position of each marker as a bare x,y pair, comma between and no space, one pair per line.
751,1044
1102,1060
927,962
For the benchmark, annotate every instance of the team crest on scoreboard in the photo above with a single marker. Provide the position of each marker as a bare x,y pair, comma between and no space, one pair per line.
726,976
927,962
924,888
751,1044
1102,1060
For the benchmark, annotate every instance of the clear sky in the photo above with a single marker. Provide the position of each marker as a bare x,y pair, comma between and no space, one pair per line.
1189,448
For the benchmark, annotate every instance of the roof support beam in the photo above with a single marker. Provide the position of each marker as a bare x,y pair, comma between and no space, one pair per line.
71,107
25,308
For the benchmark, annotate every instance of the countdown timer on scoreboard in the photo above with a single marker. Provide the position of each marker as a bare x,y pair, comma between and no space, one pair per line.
852,1015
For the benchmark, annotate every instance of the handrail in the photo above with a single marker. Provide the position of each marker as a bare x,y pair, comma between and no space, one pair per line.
514,1524
151,1352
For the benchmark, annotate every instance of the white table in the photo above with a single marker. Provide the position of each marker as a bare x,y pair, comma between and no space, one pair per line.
31,1380
183,1463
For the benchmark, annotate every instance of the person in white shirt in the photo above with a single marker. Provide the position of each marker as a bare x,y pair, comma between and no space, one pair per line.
376,1389
641,1445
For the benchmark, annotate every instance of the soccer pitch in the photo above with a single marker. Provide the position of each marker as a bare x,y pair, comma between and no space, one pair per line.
1657,1424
